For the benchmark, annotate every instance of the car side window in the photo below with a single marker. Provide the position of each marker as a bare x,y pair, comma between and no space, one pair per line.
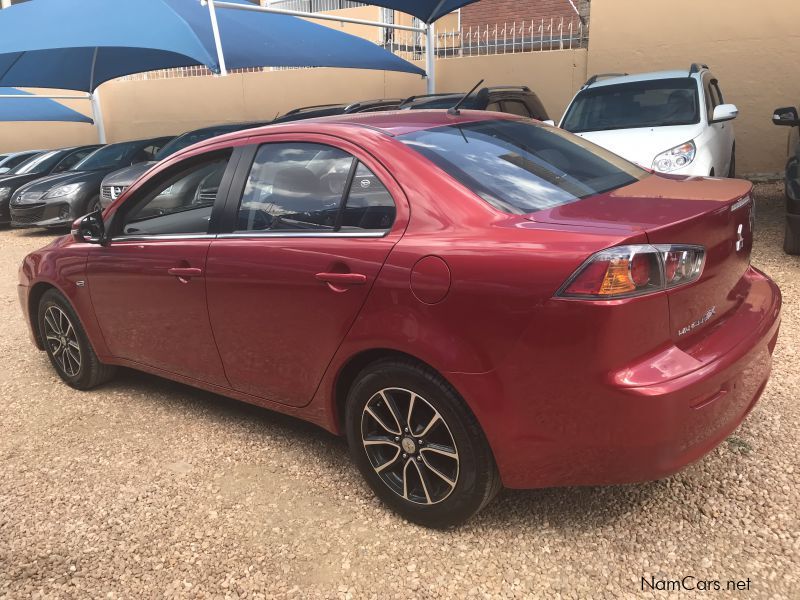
145,154
516,107
369,204
494,107
72,160
181,204
294,187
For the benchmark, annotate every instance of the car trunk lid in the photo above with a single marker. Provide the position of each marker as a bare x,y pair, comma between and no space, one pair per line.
714,213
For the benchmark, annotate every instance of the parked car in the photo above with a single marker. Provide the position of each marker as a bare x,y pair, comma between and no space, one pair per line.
671,121
12,159
329,110
490,302
788,117
118,181
40,165
57,200
515,100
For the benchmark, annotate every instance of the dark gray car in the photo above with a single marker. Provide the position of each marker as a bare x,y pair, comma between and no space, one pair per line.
40,165
788,117
57,200
117,182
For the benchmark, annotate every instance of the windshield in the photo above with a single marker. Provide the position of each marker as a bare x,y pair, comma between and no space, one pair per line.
658,103
41,163
520,166
187,139
114,156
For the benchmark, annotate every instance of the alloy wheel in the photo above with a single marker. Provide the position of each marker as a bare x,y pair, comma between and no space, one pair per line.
410,446
62,341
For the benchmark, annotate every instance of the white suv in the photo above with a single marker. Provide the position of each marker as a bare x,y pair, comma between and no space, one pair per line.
671,121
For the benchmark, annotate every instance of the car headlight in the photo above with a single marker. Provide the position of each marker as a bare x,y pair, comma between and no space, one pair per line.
5,192
675,158
63,190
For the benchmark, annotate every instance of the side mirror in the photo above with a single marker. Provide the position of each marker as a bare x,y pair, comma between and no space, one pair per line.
90,228
725,112
787,117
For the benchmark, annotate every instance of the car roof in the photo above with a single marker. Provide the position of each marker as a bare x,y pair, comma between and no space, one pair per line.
653,76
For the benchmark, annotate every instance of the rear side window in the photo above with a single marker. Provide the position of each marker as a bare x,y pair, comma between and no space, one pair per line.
312,187
369,206
515,107
523,167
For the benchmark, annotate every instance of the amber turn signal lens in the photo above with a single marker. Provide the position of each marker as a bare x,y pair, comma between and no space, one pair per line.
627,271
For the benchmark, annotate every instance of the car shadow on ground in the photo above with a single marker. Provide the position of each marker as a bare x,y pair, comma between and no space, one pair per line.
560,508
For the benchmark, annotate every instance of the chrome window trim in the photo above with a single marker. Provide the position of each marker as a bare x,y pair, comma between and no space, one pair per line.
253,234
164,236
309,234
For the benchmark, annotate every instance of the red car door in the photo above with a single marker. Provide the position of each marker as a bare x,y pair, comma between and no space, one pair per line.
312,225
148,285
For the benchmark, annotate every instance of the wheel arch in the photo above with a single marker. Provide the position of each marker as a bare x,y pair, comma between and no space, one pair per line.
350,370
34,298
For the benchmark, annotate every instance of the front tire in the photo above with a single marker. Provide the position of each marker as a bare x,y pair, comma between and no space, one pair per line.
418,445
67,345
732,170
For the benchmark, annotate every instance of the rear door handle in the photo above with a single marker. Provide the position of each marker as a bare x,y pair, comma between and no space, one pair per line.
342,278
185,273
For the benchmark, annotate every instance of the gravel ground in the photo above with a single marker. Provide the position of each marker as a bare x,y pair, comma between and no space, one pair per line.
146,488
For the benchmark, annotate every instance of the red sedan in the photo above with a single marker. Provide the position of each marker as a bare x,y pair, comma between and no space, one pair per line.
475,300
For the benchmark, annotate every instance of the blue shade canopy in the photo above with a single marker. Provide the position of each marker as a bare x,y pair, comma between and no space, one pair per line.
30,108
79,44
425,10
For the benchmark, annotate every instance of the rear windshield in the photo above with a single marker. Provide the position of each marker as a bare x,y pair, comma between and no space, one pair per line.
520,166
658,103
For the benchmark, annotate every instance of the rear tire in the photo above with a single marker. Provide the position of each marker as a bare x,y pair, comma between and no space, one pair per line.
791,240
436,467
67,344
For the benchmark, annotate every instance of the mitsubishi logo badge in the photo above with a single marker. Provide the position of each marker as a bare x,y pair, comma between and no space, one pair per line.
740,238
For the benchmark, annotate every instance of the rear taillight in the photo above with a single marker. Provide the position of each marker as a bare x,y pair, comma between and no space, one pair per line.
627,271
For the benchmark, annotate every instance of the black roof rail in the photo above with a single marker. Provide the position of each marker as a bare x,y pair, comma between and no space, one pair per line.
423,96
376,102
596,78
497,88
696,68
297,111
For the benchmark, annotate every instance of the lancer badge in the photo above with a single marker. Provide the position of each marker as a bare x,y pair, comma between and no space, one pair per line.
701,321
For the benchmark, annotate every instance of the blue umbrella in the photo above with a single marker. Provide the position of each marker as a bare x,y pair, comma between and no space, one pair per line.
427,11
30,108
80,44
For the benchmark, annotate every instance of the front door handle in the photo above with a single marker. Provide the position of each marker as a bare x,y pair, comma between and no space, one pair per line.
184,274
337,279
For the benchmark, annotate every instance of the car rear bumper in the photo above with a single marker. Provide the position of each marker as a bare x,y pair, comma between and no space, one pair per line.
643,422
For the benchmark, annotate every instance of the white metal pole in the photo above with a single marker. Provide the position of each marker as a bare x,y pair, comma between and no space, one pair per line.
217,41
430,57
97,115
